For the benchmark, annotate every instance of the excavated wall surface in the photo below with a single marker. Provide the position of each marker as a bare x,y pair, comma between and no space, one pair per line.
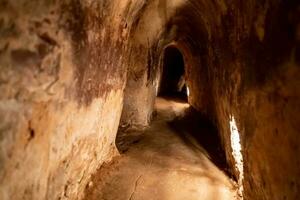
69,69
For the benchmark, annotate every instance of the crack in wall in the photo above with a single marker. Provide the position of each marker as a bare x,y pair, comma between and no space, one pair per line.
135,187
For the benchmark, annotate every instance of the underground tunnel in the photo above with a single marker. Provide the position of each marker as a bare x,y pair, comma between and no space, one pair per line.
149,99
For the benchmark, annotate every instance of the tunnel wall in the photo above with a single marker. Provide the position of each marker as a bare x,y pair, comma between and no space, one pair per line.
61,83
245,63
140,90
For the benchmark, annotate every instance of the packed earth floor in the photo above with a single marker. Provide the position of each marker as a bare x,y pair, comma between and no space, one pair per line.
177,158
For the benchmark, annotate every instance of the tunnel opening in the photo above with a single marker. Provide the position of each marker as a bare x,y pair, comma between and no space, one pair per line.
173,80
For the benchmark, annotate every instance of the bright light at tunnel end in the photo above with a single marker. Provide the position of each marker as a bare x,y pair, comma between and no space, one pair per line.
236,152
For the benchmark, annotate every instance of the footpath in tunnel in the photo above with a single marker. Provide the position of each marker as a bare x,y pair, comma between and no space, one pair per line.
165,162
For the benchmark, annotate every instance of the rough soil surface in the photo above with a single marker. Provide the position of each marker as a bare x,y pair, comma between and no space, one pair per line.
165,161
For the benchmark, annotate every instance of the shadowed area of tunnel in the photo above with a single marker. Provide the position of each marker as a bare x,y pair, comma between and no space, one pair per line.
200,134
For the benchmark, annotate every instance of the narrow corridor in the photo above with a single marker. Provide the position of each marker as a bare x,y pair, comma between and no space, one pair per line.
163,162
80,117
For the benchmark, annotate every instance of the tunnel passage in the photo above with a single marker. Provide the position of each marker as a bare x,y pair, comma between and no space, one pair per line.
173,75
70,69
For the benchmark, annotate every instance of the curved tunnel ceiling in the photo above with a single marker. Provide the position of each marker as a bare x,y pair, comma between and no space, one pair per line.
191,23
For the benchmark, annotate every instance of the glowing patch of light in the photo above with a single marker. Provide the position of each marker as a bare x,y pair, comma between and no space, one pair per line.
187,91
236,152
156,85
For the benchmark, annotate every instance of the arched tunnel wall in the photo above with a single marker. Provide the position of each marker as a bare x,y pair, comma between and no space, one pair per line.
69,69
246,60
63,71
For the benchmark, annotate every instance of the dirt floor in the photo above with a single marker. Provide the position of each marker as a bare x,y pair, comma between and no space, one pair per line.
177,158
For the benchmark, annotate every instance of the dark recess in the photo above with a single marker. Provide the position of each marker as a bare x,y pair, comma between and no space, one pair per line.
173,72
